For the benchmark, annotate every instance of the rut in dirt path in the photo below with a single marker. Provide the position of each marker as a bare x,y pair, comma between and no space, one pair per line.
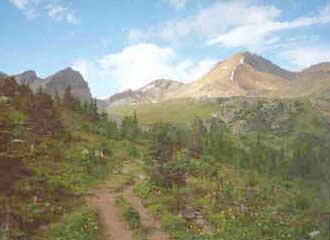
116,228
105,202
147,220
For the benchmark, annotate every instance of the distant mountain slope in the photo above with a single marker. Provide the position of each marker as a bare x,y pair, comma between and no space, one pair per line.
60,80
57,82
27,77
311,81
243,74
151,93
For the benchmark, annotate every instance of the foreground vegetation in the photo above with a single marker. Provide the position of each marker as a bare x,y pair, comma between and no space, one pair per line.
203,179
211,184
52,151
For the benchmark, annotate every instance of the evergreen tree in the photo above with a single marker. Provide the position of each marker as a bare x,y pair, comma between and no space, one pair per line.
43,117
8,87
68,99
198,132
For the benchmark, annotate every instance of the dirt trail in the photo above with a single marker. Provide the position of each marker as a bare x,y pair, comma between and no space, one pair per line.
116,228
153,225
104,201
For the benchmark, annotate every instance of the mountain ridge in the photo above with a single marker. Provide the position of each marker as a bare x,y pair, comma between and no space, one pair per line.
153,92
243,74
57,82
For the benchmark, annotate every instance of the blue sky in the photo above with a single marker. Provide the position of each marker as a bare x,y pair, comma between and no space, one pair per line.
125,44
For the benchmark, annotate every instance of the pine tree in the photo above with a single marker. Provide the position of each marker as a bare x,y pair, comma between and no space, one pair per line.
68,99
198,132
43,117
8,87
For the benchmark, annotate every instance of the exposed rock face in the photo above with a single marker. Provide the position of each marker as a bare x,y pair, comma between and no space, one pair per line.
60,80
26,77
127,97
57,83
263,65
151,93
29,78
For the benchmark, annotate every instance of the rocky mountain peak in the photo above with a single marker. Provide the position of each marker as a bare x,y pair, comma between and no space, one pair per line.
62,79
68,76
263,65
27,77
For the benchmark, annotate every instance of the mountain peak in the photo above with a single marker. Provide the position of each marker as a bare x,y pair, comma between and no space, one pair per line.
260,64
27,77
68,77
69,69
161,85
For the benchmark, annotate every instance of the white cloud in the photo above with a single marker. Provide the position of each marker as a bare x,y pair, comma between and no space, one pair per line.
237,23
82,66
303,56
52,8
61,13
210,21
142,63
21,4
178,4
258,34
28,7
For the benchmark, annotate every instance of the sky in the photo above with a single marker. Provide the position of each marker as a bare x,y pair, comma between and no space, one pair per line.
124,44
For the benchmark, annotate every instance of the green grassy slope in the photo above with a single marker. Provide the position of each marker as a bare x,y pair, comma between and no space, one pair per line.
175,111
276,116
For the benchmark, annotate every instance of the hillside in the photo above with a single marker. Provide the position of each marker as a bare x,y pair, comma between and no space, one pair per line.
241,114
181,111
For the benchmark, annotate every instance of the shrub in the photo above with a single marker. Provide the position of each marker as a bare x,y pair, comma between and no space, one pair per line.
78,225
129,213
143,189
174,225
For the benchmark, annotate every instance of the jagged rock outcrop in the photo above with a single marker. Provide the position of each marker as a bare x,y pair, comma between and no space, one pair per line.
27,77
57,83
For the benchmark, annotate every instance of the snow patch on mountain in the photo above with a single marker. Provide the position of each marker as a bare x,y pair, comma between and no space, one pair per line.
232,75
